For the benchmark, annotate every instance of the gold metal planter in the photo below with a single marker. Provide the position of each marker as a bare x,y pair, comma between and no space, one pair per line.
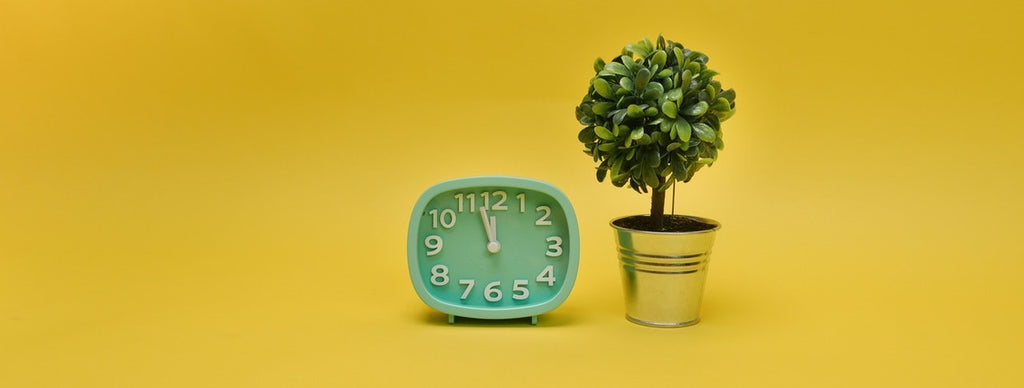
663,274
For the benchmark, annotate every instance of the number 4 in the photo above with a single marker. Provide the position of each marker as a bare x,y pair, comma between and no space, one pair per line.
547,276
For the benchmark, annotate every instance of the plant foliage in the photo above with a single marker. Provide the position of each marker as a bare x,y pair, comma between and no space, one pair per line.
653,115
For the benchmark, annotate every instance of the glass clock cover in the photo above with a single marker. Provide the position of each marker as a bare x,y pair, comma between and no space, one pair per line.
493,247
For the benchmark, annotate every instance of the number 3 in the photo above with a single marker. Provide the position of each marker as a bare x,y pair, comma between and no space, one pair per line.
555,246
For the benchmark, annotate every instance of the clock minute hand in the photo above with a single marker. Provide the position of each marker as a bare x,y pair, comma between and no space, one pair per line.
491,227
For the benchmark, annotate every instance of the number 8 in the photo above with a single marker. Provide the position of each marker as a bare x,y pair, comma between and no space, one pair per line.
439,275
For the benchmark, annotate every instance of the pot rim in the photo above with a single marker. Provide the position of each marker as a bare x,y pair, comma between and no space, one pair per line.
717,225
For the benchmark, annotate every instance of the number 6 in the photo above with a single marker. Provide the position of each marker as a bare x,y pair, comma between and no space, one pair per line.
491,292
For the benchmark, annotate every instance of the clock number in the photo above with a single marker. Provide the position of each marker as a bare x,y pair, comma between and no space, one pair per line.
547,276
491,292
469,283
472,201
435,243
439,275
446,218
500,205
554,246
487,199
519,292
522,202
543,220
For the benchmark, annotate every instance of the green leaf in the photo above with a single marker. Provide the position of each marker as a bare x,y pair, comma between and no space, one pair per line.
651,112
638,49
659,58
603,107
685,80
667,73
618,116
669,109
661,42
721,105
603,88
665,186
618,68
587,135
645,139
674,94
693,67
634,111
604,133
601,173
679,168
626,83
666,124
726,115
637,133
707,74
598,64
704,132
653,91
642,77
683,129
680,57
667,83
696,109
729,95
653,158
629,63
650,178
719,143
607,147
673,146
659,138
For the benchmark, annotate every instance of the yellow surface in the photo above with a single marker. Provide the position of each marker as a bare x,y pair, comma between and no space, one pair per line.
215,193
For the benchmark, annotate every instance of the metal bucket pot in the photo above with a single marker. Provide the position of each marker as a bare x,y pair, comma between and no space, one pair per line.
663,273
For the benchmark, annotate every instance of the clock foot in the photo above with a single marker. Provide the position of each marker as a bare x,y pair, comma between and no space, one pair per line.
533,320
451,319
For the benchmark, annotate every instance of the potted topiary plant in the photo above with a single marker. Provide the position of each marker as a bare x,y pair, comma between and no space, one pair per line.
653,117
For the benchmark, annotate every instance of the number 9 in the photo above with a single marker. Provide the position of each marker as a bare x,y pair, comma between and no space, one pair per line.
434,243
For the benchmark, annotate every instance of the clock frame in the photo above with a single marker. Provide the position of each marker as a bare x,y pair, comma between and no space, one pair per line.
493,247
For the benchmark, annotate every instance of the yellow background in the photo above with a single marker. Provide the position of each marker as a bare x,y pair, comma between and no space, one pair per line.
216,193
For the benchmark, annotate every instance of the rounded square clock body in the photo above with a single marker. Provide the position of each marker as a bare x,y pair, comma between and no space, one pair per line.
493,247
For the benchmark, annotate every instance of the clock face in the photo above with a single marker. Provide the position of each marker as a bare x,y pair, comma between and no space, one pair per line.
493,247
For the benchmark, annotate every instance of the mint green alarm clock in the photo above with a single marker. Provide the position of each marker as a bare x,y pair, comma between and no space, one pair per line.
493,247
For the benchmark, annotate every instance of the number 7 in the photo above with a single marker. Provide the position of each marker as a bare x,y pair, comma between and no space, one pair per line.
469,283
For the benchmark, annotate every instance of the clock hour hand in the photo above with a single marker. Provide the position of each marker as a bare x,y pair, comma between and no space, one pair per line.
491,227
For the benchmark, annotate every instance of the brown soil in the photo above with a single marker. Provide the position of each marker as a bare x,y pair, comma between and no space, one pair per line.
673,224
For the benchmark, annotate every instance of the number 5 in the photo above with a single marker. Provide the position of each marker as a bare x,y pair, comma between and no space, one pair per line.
518,291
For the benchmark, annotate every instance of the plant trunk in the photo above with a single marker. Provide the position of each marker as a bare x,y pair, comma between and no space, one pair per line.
658,205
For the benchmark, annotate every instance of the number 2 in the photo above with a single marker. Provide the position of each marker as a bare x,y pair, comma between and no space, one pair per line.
543,220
